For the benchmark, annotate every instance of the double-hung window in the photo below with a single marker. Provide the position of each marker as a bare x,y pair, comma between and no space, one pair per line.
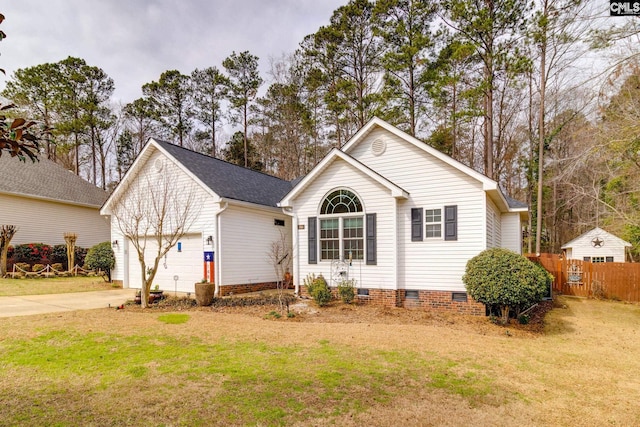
433,218
341,226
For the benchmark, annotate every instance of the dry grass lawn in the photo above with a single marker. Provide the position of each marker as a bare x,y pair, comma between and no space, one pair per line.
53,285
343,366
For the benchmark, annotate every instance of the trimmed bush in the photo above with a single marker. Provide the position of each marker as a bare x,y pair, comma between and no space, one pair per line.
346,291
57,267
318,289
101,257
37,268
23,266
505,280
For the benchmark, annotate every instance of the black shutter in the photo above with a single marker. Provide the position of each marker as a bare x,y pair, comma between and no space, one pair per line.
313,240
451,223
371,239
416,224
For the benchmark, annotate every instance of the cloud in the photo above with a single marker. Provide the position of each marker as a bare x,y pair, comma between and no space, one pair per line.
134,41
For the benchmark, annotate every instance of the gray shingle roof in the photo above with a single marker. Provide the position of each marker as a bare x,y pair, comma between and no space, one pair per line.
47,179
229,180
515,204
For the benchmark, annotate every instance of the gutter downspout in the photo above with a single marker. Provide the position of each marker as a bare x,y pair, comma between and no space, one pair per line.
217,247
294,249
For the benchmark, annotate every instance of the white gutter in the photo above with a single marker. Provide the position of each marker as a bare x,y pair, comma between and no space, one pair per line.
218,253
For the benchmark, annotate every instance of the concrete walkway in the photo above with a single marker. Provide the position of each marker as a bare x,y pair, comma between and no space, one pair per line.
39,304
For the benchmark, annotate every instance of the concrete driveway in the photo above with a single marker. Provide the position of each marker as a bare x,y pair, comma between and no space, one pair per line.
38,304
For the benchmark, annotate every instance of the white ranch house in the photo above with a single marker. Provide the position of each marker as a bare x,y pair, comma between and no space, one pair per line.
400,218
236,223
44,201
596,245
388,211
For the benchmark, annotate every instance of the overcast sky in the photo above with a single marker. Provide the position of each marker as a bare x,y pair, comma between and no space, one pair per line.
134,41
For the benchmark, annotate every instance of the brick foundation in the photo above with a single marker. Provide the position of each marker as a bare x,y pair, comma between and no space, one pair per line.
246,288
427,300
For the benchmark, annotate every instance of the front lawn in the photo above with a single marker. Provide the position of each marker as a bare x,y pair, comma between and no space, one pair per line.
229,367
54,285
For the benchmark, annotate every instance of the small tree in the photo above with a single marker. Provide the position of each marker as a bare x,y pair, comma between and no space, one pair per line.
155,207
501,278
6,234
101,257
280,257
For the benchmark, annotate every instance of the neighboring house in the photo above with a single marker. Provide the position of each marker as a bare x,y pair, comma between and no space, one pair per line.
596,245
237,222
44,201
400,218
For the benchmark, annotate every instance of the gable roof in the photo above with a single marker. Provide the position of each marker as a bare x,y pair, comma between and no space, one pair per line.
332,156
221,178
489,185
596,232
47,180
228,180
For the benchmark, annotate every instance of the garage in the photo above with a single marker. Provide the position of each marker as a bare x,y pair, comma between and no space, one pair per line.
185,260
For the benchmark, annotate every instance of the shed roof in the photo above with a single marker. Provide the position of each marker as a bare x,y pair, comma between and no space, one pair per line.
228,180
46,179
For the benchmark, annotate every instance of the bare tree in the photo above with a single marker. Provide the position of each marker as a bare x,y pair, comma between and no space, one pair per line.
6,234
156,209
280,257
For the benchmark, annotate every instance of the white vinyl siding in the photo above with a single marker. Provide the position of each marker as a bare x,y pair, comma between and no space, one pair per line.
375,199
247,235
494,226
187,264
41,221
432,263
512,232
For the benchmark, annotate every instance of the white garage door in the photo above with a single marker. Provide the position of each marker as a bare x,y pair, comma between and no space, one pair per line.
184,260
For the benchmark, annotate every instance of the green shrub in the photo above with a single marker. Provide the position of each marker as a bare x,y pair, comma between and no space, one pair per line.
318,289
503,279
101,257
59,255
346,291
57,266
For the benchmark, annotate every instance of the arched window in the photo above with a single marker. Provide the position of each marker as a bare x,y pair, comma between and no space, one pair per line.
341,226
340,202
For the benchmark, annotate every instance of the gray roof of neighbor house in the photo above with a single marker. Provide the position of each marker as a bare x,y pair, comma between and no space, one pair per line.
228,180
46,179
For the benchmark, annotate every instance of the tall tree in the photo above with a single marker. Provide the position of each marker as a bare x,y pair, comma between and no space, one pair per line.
171,104
495,29
72,122
405,28
241,152
244,81
139,118
209,89
34,91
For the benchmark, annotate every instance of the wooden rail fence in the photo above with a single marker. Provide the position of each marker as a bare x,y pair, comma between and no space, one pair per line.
611,280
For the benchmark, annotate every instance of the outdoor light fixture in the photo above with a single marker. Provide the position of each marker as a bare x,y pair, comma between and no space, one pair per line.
210,240
114,243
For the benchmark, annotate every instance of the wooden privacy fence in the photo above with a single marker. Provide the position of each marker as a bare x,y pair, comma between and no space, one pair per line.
612,280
